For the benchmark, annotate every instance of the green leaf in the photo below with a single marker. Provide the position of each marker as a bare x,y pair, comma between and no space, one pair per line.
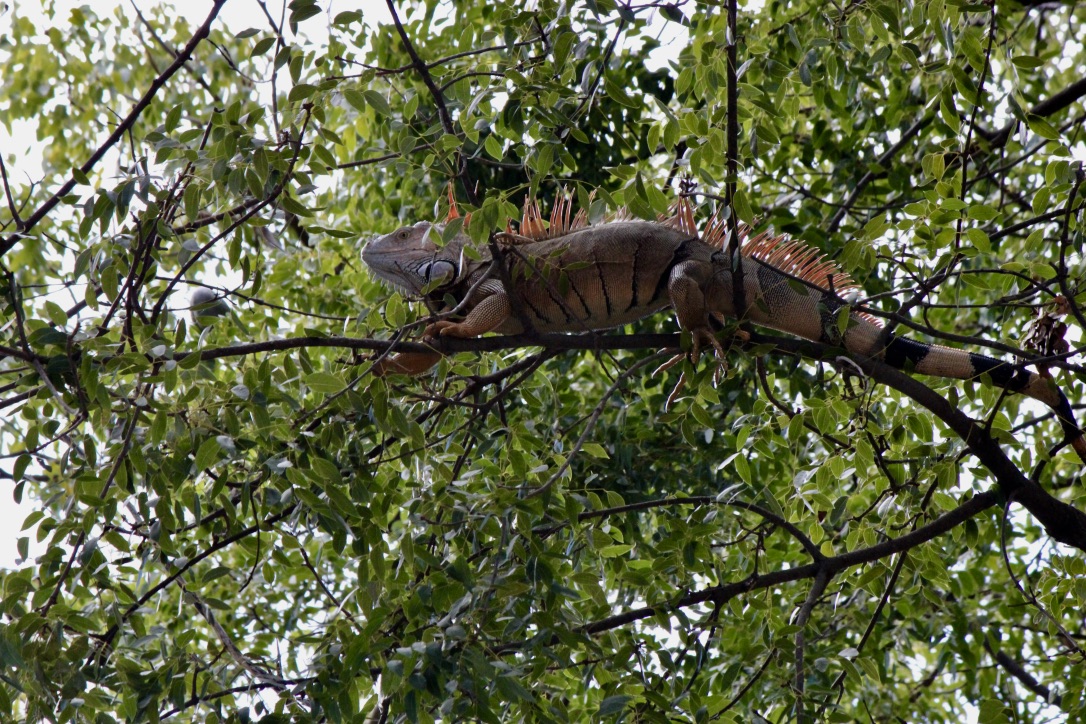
875,228
377,101
742,207
1027,62
300,92
982,212
674,14
303,11
493,148
208,453
56,313
613,705
355,98
19,468
325,383
1041,200
595,450
617,93
1043,128
615,551
742,467
262,46
979,239
949,114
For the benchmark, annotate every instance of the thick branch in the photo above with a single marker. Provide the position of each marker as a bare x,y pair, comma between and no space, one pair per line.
1019,672
1062,522
722,594
450,345
1049,106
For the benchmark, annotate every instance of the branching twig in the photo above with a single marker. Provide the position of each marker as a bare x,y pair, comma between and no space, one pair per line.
439,101
19,226
818,587
201,33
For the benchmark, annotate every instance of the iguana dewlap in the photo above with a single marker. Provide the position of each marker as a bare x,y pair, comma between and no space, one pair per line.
573,277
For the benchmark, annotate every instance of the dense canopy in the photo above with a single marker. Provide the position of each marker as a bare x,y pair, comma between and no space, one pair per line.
236,520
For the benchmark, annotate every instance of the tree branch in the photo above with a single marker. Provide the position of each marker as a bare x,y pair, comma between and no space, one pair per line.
439,101
722,594
1061,521
1019,672
1051,105
201,33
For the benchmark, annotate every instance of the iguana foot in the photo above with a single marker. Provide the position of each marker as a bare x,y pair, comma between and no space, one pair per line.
675,392
445,328
849,370
669,364
699,338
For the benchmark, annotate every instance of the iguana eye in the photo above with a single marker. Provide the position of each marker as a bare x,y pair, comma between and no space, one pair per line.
402,234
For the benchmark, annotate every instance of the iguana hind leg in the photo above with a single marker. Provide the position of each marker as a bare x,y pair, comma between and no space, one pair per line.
686,288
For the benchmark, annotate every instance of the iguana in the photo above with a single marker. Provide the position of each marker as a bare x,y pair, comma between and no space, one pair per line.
571,276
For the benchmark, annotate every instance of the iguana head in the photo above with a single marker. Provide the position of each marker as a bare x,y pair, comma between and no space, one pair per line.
410,258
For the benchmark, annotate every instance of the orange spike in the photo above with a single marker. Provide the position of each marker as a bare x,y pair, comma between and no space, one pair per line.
684,216
580,220
799,260
556,215
560,214
716,231
454,211
531,225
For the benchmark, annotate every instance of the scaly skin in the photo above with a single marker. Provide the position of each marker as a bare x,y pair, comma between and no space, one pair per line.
576,278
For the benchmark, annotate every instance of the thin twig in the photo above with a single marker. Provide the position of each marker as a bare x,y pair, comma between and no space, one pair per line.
201,33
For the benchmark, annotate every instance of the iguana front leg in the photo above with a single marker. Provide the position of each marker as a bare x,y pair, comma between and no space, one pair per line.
487,314
493,309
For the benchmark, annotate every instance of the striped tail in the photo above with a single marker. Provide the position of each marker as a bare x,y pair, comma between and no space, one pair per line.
936,360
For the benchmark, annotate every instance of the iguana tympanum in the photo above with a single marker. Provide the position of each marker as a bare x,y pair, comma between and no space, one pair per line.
573,277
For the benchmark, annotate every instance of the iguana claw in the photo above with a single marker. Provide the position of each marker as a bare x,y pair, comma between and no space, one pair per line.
698,338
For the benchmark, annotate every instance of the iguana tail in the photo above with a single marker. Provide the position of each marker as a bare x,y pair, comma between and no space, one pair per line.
936,360
794,288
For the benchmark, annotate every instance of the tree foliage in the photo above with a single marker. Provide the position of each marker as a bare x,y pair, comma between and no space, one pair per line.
235,520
